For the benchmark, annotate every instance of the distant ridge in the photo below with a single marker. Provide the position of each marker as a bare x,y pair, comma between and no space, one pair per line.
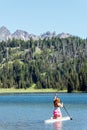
23,35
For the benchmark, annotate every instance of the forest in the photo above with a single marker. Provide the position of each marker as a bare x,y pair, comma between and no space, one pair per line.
58,63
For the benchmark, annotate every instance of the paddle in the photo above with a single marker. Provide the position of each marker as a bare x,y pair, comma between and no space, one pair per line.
66,110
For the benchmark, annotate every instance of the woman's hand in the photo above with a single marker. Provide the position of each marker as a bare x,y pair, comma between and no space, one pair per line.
62,104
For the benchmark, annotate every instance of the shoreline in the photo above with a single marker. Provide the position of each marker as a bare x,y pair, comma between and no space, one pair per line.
28,91
8,91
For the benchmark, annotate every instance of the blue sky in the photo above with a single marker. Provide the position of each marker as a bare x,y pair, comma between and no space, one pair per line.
39,16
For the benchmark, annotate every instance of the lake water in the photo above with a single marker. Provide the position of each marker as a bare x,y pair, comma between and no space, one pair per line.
28,112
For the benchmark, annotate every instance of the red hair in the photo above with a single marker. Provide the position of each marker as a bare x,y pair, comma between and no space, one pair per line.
56,101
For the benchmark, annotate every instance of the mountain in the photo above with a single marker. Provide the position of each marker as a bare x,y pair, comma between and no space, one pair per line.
48,34
4,33
64,35
23,35
20,34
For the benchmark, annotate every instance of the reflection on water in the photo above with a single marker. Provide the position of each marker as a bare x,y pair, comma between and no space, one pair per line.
57,125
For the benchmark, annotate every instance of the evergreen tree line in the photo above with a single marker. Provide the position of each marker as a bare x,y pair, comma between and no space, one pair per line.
49,63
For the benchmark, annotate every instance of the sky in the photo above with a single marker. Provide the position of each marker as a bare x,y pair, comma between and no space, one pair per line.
40,16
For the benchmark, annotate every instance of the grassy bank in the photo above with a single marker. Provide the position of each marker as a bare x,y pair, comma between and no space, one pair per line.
29,90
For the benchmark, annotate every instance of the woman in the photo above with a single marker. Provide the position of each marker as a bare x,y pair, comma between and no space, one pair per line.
57,112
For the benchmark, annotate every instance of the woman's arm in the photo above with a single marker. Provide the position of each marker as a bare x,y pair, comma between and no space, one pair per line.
60,104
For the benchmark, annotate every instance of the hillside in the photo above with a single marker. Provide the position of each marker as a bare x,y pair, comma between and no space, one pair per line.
52,62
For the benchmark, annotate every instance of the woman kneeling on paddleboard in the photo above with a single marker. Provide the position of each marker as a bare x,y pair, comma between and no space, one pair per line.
57,112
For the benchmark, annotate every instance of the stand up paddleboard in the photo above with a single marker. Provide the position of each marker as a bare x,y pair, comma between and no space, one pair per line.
51,120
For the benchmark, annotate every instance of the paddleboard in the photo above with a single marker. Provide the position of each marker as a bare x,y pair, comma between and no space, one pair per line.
51,120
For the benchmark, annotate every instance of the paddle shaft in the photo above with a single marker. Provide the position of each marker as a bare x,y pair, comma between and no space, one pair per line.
67,112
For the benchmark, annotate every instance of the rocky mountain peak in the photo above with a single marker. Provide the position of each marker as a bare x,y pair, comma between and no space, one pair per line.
20,34
4,30
23,35
48,34
64,35
4,33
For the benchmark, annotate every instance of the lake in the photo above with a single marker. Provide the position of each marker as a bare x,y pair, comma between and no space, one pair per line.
28,111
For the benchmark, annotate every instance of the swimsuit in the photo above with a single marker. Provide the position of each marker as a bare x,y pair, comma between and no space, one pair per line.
57,112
